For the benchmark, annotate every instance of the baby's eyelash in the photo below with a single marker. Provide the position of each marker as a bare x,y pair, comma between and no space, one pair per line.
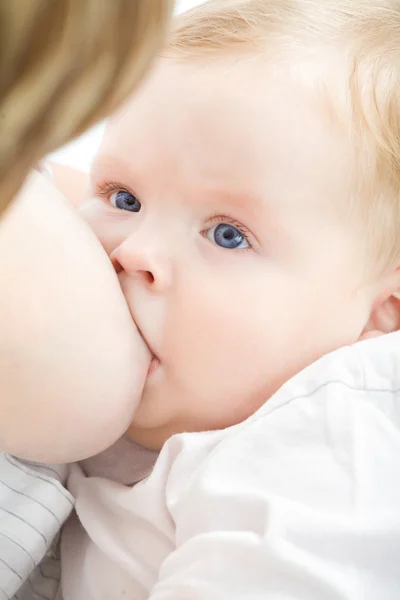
239,226
102,189
106,188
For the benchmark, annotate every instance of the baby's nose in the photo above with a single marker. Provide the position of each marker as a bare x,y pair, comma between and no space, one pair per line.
147,263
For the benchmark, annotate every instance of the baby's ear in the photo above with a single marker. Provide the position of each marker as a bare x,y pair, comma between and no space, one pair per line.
385,314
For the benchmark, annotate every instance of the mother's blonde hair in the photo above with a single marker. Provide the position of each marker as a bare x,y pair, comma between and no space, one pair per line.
65,64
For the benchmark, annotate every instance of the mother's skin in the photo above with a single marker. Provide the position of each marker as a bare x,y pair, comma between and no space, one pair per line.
72,364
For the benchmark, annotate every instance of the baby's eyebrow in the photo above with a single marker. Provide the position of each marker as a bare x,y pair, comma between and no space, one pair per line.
251,201
101,163
108,165
259,211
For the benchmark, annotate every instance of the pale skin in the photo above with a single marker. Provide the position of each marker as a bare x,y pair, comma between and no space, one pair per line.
218,194
72,363
71,182
228,325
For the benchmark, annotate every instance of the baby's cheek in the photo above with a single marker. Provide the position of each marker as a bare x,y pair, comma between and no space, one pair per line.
217,348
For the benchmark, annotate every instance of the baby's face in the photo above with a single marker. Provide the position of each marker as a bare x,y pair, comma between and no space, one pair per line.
217,193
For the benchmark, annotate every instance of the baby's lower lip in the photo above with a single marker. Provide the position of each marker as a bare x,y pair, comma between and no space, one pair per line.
153,365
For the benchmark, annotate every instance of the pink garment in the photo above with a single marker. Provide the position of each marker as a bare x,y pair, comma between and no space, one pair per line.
129,525
125,462
116,469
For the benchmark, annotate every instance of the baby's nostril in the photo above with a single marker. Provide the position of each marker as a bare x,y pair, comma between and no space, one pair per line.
117,265
150,277
147,276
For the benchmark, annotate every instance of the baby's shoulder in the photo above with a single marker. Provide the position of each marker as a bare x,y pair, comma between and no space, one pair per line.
331,430
309,484
365,375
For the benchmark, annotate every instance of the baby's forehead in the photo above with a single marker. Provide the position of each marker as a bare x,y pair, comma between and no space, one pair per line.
211,127
219,100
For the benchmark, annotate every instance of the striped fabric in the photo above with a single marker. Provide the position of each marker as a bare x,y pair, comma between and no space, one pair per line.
33,507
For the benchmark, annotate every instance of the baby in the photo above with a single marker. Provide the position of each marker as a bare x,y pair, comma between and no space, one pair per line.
248,198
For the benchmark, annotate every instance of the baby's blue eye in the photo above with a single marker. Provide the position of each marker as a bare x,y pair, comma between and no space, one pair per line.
227,236
125,201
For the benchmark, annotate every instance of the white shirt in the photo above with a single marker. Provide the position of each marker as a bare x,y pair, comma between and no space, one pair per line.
300,501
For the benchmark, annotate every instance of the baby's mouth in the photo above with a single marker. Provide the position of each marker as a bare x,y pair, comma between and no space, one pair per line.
153,365
155,361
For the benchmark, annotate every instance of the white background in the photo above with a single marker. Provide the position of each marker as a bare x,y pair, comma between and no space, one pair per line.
80,152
